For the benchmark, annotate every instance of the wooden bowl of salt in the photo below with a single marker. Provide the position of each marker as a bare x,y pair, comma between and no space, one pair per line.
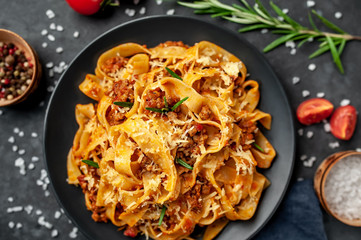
337,183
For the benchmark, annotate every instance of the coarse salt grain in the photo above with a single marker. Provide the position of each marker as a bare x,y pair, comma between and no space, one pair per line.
345,102
11,139
49,64
285,10
50,13
44,44
46,193
51,37
34,134
73,233
159,2
15,148
50,89
31,166
295,80
142,10
303,157
320,94
312,67
1,112
16,130
19,225
34,158
59,28
57,214
21,134
130,12
293,51
14,209
327,127
358,149
338,15
54,233
342,188
334,145
28,209
300,131
21,151
76,34
11,224
305,93
10,199
310,3
170,12
51,73
44,32
290,44
59,50
264,31
309,134
52,26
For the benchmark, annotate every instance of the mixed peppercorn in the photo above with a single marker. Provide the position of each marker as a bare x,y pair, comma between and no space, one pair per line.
15,71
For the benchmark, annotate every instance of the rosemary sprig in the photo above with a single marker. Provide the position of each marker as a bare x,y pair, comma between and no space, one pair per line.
166,107
162,215
258,17
124,104
173,74
91,163
183,163
258,147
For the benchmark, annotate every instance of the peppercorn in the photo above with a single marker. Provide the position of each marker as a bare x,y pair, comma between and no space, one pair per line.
15,71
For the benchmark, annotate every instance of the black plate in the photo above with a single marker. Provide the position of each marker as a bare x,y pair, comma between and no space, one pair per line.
60,125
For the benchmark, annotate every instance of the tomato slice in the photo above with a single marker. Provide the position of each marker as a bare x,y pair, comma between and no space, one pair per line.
314,110
343,122
85,7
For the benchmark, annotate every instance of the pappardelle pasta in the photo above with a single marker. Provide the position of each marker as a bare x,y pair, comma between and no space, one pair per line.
172,141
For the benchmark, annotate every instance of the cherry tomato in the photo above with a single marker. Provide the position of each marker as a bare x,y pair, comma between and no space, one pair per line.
314,110
343,122
85,7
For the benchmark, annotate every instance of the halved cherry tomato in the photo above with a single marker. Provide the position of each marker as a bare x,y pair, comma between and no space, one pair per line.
89,7
314,110
343,122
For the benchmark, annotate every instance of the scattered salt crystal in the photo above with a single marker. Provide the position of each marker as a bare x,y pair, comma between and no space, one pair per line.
44,44
44,32
142,10
11,139
62,64
51,37
19,162
21,134
16,130
290,44
51,73
305,93
342,188
358,149
327,127
54,233
28,209
34,158
345,102
34,134
76,34
43,174
285,10
280,18
22,171
48,225
49,64
21,151
11,224
300,131
295,80
62,210
38,212
170,12
10,199
310,39
73,233
320,94
19,225
52,26
338,15
300,179
46,193
312,67
293,51
59,50
130,12
50,89
57,214
334,145
303,157
59,28
309,134
50,13
159,2
14,209
1,112
31,166
310,3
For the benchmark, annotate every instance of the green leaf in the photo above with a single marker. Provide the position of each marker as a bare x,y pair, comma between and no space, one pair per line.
165,102
263,9
221,14
162,215
91,163
279,41
328,23
320,51
155,110
258,147
173,74
195,5
245,3
335,55
124,104
242,9
310,19
183,163
293,23
179,103
282,31
253,27
342,46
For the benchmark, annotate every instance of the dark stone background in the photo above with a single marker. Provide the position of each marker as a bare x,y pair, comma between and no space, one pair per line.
28,18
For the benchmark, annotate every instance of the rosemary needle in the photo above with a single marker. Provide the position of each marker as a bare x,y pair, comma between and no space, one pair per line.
162,215
91,163
124,104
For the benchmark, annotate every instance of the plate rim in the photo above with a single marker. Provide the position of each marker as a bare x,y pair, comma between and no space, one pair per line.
202,21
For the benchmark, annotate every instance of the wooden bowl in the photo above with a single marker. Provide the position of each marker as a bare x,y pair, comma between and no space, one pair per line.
7,36
319,182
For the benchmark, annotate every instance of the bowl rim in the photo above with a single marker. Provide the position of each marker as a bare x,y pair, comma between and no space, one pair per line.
36,69
320,181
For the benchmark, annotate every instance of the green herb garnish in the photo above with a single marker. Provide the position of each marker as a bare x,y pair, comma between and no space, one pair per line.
257,17
162,215
166,108
183,163
91,163
258,147
173,74
124,104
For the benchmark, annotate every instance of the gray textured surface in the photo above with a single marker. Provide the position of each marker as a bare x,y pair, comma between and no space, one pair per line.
28,18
